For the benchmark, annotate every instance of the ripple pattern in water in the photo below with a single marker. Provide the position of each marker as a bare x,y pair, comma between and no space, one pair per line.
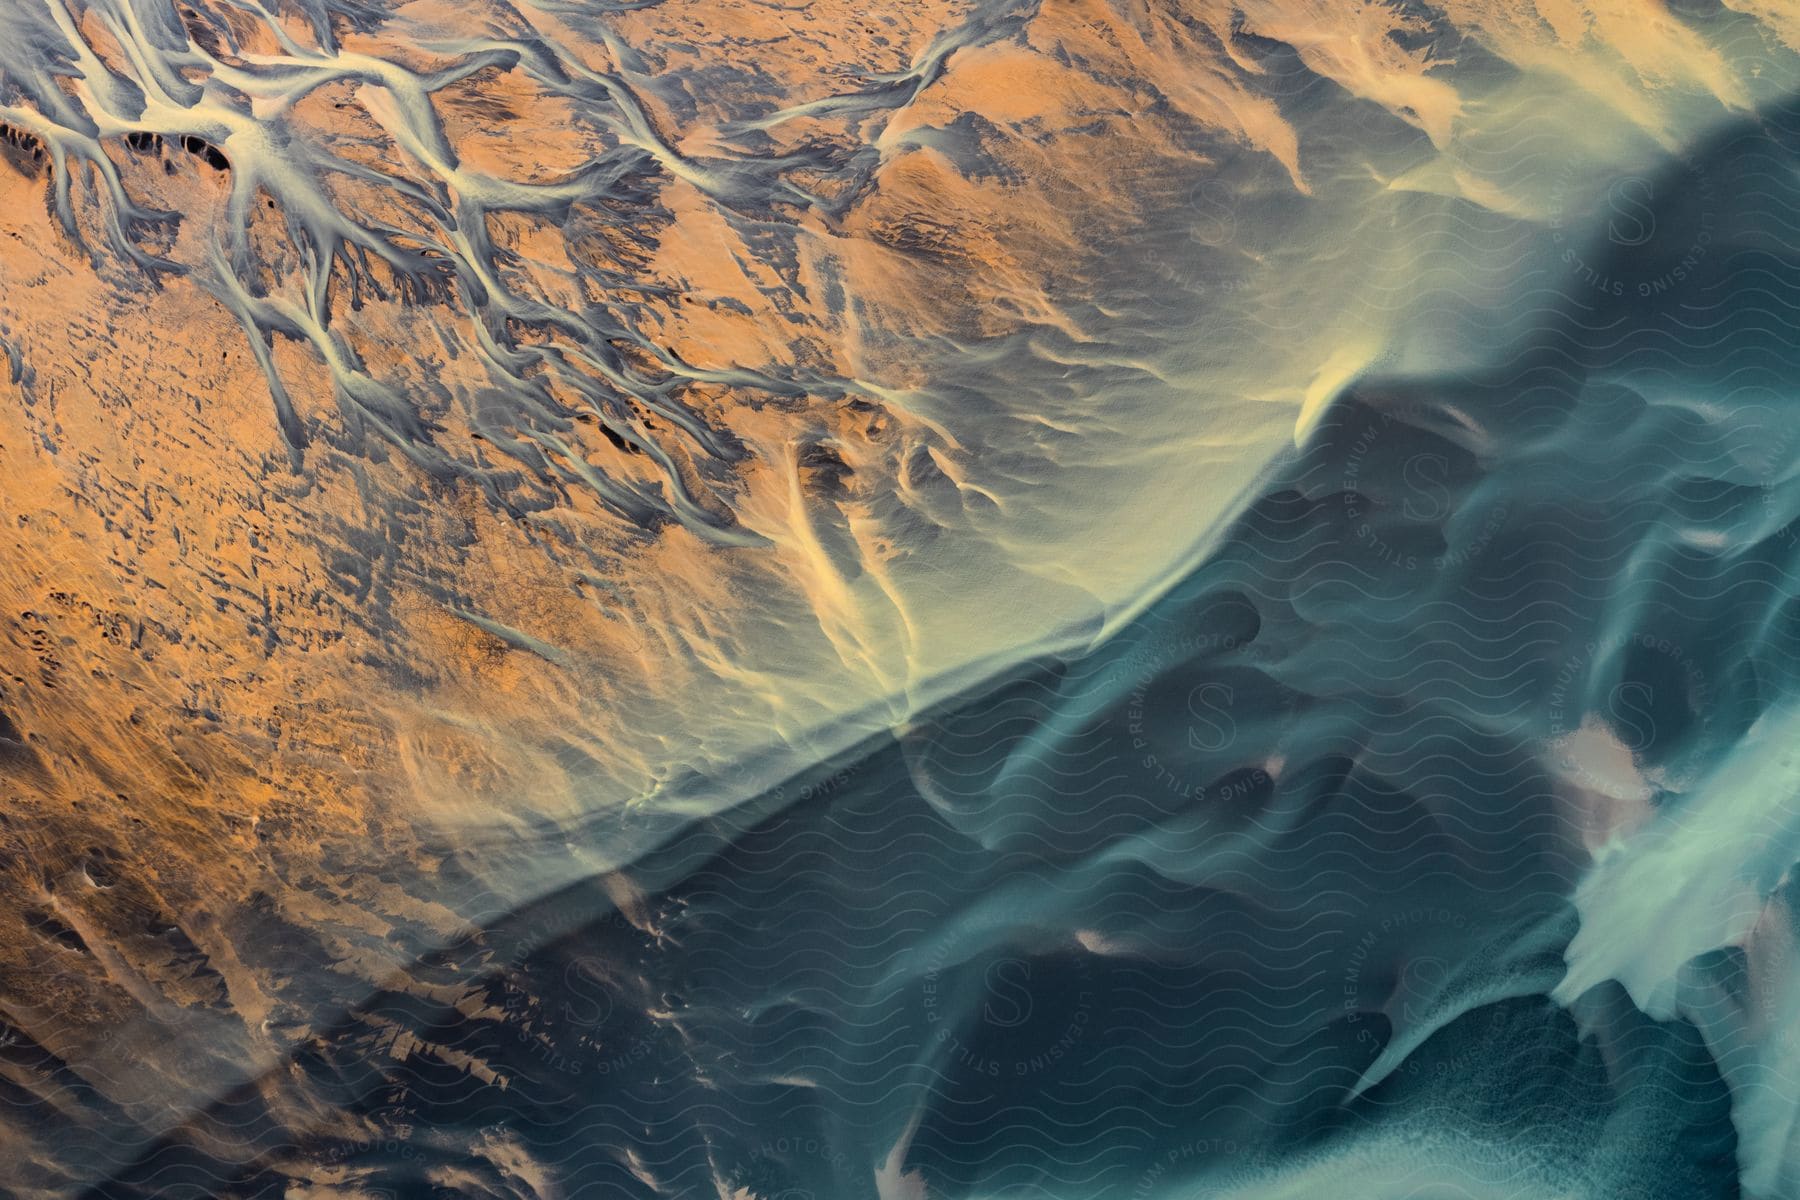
1138,601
